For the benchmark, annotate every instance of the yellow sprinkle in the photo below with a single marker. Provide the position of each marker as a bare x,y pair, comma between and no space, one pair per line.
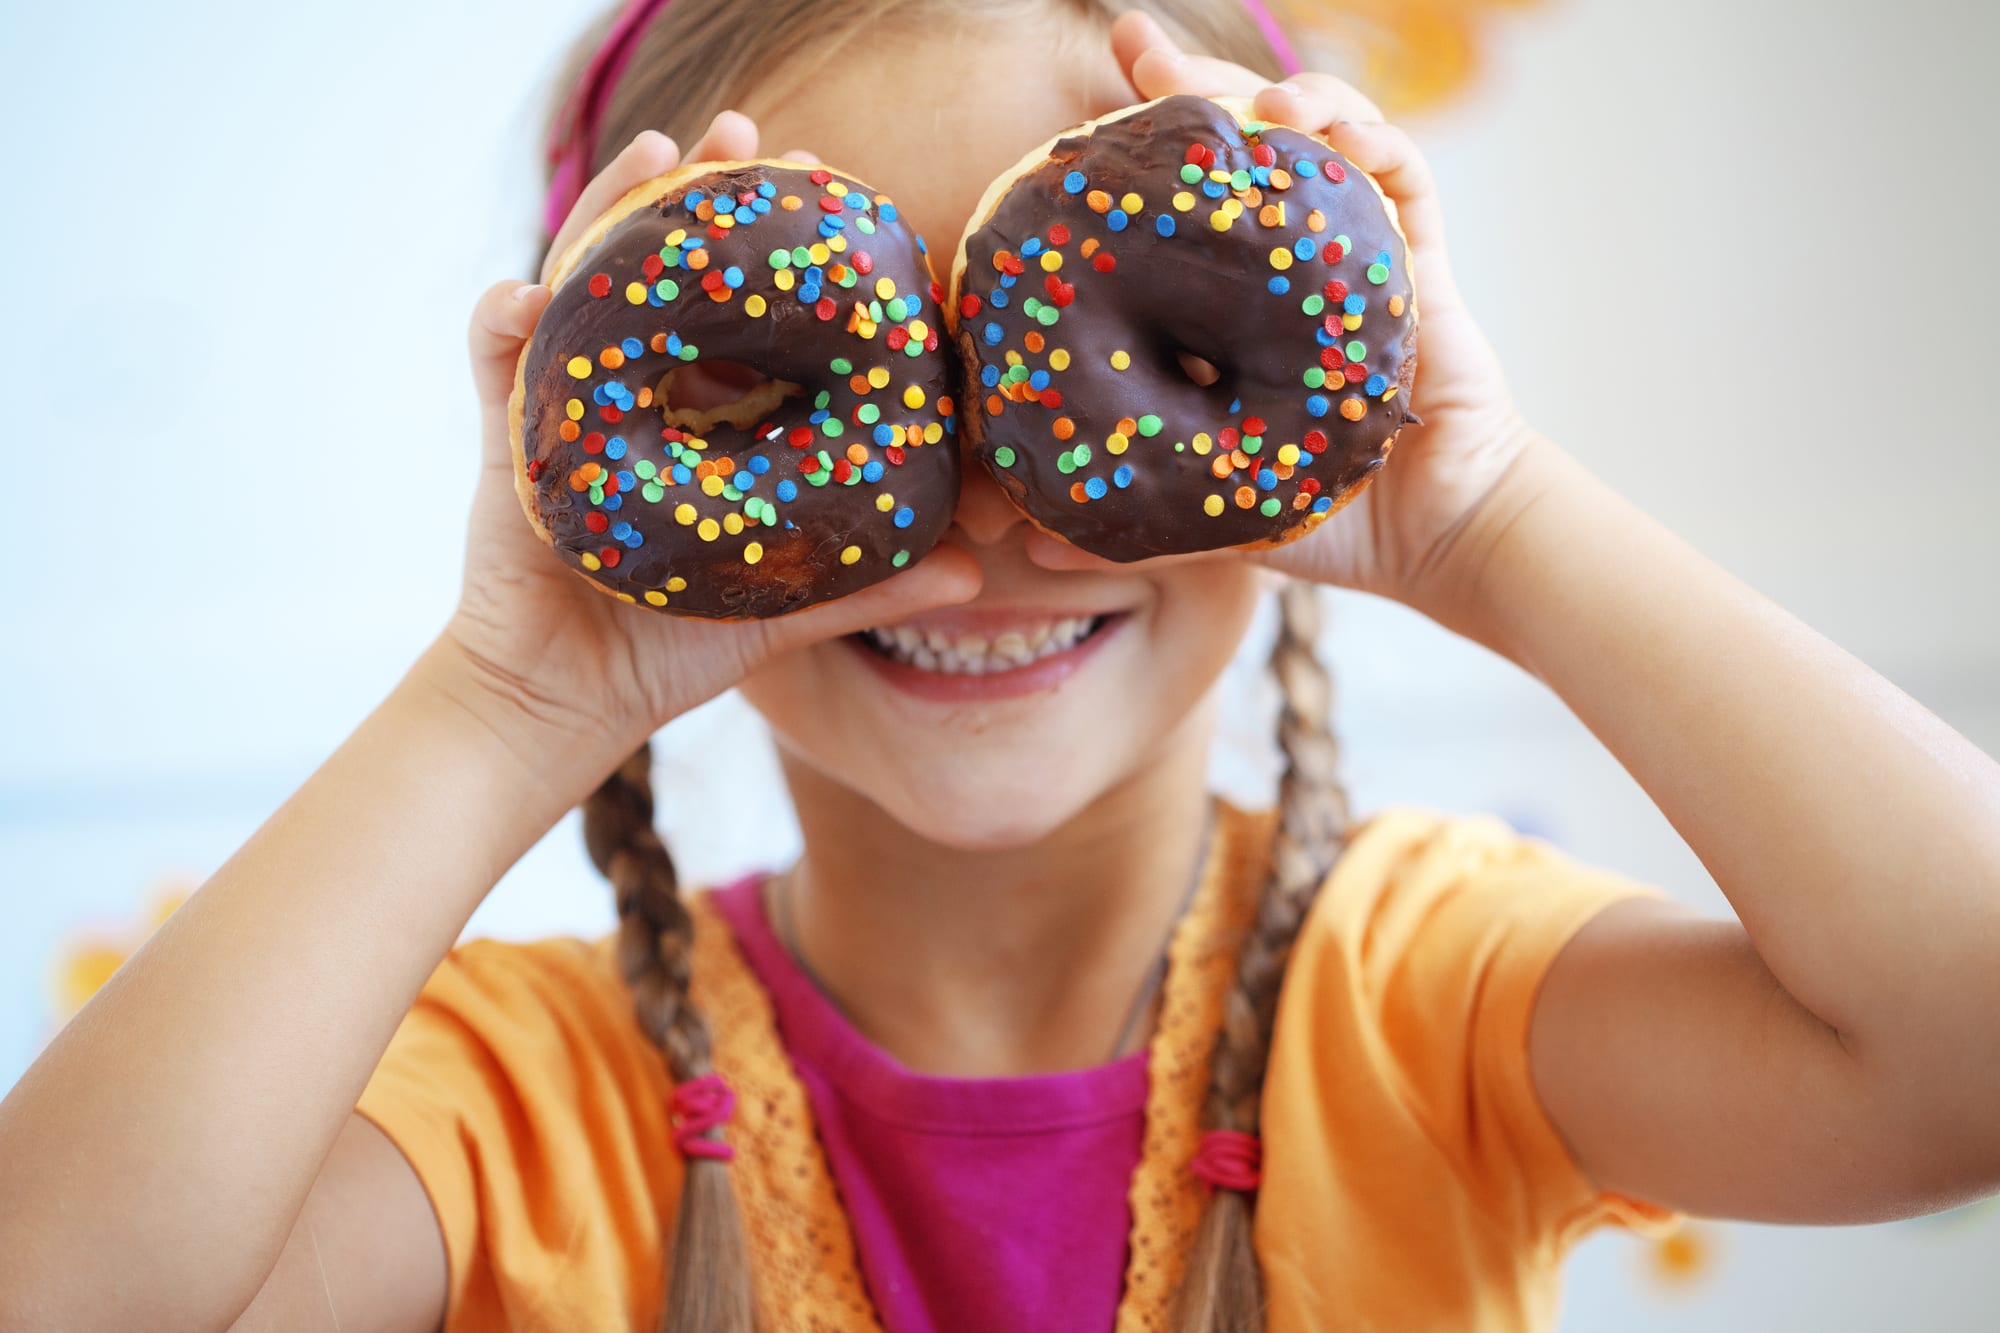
635,292
724,221
753,553
784,279
885,288
732,523
1218,220
1233,207
819,253
591,562
849,555
1013,357
579,367
573,409
837,244
708,530
711,485
1350,322
677,584
913,397
1203,442
1212,506
1132,203
1183,200
1218,174
1117,442
1059,359
655,597
1051,260
677,235
885,502
878,377
836,189
919,330
1288,454
754,307
684,514
1281,259
625,597
933,433
1121,360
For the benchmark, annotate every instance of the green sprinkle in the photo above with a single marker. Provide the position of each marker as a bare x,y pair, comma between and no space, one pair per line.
821,399
1149,425
1081,454
869,414
840,365
1239,180
801,257
781,258
1047,316
653,491
667,288
831,428
1004,456
1378,274
1180,446
898,310
730,493
1313,304
901,558
1065,464
848,277
689,351
1357,350
1030,306
1190,173
913,348
1346,246
644,469
1316,378
1271,508
1252,444
865,225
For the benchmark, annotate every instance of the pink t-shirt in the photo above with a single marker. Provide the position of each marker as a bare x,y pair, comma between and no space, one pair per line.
979,1205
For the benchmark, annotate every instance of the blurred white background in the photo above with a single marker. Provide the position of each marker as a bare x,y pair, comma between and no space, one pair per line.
1737,257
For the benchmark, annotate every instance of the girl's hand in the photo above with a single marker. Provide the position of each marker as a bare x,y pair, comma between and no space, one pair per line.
533,636
1415,534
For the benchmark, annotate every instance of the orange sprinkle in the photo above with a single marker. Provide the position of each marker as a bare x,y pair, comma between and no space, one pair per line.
1034,341
791,203
611,358
1316,221
1220,466
705,468
1301,500
1064,428
659,343
1280,179
1246,496
1127,426
577,483
857,453
945,407
995,405
1089,246
913,435
1353,408
1099,201
695,259
591,471
724,466
1252,197
838,272
1238,458
1000,258
705,210
1077,493
860,386
645,396
569,430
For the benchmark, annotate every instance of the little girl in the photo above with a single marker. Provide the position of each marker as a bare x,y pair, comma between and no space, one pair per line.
1035,1034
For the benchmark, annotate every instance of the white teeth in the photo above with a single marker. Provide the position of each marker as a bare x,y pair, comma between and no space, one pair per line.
973,655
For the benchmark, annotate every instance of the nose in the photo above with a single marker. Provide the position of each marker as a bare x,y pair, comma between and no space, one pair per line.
985,514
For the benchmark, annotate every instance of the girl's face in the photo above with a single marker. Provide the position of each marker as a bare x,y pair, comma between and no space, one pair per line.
934,719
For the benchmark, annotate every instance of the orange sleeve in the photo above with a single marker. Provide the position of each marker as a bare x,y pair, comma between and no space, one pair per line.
1400,1061
534,1112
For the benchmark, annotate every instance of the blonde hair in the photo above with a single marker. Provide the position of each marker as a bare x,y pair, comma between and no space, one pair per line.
690,63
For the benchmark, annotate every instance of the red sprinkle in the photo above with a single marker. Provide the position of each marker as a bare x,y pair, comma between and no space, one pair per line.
1104,261
825,309
536,467
937,292
1012,266
1264,155
829,204
611,413
596,521
842,470
1332,358
930,341
1336,290
600,284
1253,425
894,453
800,437
968,306
1052,399
864,263
820,177
1310,485
711,281
898,339
610,556
1315,444
593,443
1335,172
653,267
1059,235
809,464
1356,372
1229,437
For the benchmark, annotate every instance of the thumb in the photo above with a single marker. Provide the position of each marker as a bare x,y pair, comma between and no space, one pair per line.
502,323
945,577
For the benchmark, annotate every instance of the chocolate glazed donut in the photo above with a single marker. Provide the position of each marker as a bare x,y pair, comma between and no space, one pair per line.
1182,229
802,293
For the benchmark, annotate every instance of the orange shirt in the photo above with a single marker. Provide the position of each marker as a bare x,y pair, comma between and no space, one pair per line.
1412,1180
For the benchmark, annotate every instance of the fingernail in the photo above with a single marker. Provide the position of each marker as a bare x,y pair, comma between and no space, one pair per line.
528,289
1288,89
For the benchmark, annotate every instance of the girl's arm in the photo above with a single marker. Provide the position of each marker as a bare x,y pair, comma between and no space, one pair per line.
1837,1056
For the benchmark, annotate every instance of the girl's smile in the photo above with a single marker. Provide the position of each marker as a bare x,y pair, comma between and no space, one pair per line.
966,653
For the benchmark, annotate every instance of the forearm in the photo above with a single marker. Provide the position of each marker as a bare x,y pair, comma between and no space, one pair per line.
1856,835
177,1124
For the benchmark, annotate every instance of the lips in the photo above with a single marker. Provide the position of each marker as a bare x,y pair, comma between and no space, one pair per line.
965,655
974,654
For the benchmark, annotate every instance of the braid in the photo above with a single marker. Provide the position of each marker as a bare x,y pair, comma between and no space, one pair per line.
1223,1291
708,1278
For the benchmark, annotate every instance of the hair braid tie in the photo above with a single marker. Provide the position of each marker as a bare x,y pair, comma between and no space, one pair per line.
1230,1160
700,1106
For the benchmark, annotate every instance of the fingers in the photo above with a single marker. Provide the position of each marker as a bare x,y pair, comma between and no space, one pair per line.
502,322
730,137
1134,33
801,155
1161,72
945,577
1392,158
650,154
1312,101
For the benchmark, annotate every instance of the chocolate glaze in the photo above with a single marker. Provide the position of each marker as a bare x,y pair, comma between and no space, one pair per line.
873,513
1201,291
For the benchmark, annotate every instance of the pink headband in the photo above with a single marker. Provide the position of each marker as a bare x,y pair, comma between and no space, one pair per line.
573,136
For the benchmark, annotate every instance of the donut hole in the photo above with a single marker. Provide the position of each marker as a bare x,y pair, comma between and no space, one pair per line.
701,395
1200,370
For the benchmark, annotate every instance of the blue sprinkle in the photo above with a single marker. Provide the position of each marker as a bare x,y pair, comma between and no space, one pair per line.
922,249
905,516
1122,477
1164,224
620,531
1323,338
733,276
1031,247
1375,385
1075,182
872,470
759,464
1235,406
626,480
814,275
1355,303
768,189
1117,219
743,481
856,201
600,395
1321,505
693,199
788,490
951,424
634,540
888,214
760,206
693,243
1305,249
885,434
682,474
995,335
673,344
614,448
1279,284
808,294
1000,298
1214,189
989,375
1094,488
1306,167
1316,405
654,299
1262,175
632,347
1039,380
818,416
1382,257
1267,480
614,501
724,204
827,231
